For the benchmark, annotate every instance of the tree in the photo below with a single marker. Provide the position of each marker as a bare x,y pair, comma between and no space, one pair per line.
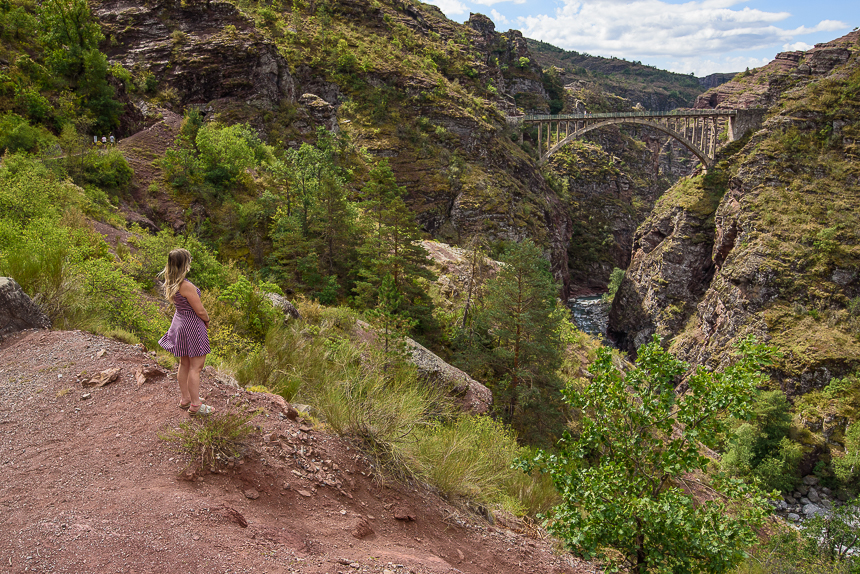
71,36
392,246
622,478
521,320
315,231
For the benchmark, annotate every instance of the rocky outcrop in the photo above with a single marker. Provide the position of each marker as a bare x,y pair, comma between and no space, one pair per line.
763,86
714,80
470,395
205,52
17,310
670,269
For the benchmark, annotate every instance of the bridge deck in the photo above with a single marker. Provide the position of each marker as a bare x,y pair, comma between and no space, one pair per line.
644,115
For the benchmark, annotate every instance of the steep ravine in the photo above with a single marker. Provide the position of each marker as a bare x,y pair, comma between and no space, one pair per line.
768,242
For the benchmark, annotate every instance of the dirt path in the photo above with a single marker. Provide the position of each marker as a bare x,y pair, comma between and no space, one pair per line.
88,486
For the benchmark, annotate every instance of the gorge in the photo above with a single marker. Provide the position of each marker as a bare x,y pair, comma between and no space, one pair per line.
469,232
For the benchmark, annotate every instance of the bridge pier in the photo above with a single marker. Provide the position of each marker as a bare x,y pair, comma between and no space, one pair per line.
744,121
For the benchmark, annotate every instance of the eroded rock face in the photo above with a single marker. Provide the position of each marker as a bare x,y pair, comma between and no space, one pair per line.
763,86
670,269
17,310
205,51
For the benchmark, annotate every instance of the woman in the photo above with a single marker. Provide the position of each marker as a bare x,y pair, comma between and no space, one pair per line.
187,338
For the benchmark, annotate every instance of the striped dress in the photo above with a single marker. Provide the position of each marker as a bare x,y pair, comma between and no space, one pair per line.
187,336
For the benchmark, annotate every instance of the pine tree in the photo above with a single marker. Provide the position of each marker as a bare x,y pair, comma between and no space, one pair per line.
523,328
392,246
315,231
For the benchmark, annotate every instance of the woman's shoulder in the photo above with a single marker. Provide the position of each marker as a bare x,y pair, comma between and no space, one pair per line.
187,286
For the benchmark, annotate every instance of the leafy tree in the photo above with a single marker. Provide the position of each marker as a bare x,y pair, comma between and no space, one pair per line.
226,152
522,324
71,37
622,479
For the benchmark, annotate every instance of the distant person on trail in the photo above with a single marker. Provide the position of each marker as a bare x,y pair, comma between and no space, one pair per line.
188,338
104,140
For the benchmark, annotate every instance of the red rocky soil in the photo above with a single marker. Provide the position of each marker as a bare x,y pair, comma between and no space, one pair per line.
88,487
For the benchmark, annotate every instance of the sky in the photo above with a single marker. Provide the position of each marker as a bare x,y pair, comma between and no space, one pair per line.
700,36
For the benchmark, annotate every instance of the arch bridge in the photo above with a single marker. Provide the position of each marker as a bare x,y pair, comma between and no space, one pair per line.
697,130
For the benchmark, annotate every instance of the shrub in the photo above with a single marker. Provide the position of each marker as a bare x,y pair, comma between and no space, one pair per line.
847,468
16,134
614,283
213,440
761,449
151,255
107,169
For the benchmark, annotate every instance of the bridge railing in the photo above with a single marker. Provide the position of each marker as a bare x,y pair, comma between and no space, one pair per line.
583,116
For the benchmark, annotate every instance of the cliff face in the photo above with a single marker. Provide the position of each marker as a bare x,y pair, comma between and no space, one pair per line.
767,243
204,52
764,86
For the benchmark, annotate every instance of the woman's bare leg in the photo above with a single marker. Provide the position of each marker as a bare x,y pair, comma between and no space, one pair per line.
182,377
195,366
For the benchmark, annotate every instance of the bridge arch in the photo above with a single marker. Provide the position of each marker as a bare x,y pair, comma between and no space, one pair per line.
699,153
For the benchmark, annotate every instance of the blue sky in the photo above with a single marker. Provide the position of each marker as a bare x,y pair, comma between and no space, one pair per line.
699,36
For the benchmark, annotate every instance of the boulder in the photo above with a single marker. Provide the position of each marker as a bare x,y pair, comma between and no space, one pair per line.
810,510
471,395
810,480
813,497
793,517
283,304
17,310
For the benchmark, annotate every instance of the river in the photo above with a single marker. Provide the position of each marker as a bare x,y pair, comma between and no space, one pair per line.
590,315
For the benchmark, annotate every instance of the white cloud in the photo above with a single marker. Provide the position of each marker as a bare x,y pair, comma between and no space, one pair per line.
450,7
499,19
491,2
705,66
655,28
802,46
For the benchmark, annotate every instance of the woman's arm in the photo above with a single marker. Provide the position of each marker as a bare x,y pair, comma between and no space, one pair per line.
189,291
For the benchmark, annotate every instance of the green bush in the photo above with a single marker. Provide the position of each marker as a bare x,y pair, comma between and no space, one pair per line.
614,283
761,449
258,314
847,468
150,256
107,169
16,134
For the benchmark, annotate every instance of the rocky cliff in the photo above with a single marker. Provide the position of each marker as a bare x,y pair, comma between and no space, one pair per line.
768,242
397,77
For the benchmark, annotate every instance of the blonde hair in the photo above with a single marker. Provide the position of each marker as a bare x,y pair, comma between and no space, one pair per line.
178,265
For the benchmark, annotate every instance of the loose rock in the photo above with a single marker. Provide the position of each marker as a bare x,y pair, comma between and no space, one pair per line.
103,378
